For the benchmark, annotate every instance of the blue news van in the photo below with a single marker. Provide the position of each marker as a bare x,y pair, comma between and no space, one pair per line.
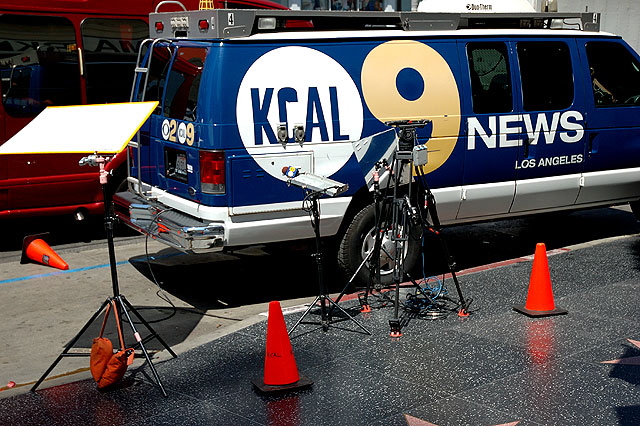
523,118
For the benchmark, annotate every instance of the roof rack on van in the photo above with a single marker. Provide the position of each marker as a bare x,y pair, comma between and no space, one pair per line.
227,23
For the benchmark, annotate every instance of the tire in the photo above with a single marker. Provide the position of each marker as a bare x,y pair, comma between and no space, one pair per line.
358,241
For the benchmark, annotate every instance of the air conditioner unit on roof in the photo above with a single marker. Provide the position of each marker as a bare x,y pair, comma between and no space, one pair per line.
476,6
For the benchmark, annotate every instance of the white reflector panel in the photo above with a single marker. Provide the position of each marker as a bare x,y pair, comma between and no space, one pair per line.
105,128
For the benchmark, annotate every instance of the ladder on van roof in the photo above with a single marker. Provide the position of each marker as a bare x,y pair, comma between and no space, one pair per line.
141,81
227,23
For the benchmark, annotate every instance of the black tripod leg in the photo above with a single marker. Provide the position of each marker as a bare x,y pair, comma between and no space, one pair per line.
313,304
394,323
451,264
344,290
335,304
376,251
373,257
433,212
152,332
70,345
364,304
464,306
144,350
419,289
328,321
398,230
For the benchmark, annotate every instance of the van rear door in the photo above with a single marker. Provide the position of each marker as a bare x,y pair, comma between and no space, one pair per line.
170,140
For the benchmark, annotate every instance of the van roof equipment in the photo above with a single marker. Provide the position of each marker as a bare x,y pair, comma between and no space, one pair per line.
224,24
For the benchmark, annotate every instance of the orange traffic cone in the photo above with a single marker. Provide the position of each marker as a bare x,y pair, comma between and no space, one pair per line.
540,297
34,248
280,369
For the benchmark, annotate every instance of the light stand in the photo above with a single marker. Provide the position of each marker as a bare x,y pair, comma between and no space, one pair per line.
320,186
121,303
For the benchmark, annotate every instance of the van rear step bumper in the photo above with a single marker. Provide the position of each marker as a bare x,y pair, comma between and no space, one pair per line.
173,228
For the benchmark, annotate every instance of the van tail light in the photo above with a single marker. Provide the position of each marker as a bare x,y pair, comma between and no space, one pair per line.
212,172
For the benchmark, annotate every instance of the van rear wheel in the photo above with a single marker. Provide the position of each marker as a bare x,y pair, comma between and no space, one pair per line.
358,242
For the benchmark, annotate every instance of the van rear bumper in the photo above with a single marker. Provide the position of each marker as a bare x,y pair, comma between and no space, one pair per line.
171,227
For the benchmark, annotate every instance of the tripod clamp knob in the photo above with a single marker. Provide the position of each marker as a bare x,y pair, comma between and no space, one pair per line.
97,160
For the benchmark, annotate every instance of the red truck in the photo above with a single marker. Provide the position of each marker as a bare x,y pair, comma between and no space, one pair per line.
65,52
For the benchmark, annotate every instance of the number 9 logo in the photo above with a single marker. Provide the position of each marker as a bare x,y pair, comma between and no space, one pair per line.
408,80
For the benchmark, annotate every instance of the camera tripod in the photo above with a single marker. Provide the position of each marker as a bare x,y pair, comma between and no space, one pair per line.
403,218
121,304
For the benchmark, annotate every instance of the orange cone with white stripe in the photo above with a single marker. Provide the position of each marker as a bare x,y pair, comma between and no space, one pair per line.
35,249
540,297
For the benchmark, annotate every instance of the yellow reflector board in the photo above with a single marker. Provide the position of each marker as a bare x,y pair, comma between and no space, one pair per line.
105,128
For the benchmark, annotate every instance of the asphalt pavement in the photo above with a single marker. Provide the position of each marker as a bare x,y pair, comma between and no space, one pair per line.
495,367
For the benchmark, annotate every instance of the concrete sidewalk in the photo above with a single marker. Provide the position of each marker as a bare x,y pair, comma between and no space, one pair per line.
43,308
496,367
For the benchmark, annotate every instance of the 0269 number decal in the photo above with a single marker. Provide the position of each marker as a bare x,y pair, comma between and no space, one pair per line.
173,131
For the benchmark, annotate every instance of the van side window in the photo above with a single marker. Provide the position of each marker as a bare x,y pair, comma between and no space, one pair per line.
156,77
183,83
490,77
547,76
615,74
38,63
110,52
